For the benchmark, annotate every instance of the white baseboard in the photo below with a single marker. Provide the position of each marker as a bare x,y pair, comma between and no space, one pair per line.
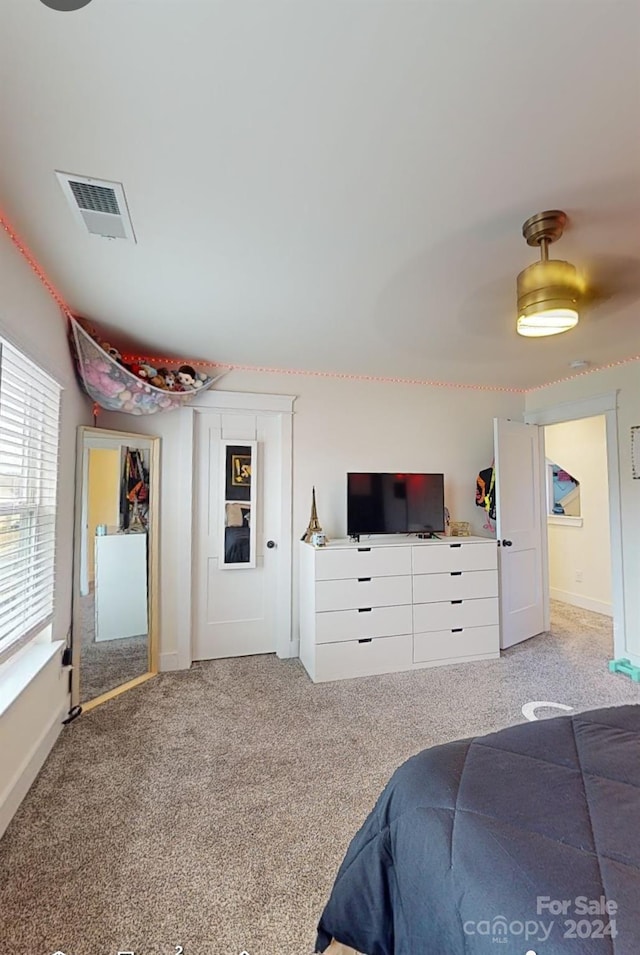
292,652
169,661
23,779
585,603
172,661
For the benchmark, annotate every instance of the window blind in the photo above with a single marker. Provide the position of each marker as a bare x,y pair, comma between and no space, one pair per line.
29,433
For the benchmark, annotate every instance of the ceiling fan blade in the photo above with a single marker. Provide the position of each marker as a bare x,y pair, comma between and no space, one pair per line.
611,280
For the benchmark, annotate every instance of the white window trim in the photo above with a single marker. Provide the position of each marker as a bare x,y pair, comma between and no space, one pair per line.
18,672
564,519
557,518
20,646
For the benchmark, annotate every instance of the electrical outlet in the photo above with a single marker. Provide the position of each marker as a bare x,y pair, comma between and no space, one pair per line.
578,576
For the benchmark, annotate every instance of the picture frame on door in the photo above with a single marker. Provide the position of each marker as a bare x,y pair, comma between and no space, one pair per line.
238,498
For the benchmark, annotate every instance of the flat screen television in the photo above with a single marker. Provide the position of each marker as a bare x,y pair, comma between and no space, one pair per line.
395,503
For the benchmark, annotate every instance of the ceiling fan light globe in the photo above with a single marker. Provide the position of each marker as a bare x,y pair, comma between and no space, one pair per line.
551,321
549,294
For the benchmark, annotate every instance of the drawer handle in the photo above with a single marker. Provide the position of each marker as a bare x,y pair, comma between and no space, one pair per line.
364,580
363,550
365,640
457,630
455,545
456,573
364,609
456,601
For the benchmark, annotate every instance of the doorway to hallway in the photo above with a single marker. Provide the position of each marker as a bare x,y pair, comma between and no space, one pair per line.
576,497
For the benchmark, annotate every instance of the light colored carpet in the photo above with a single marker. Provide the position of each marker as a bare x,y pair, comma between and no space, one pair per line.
109,663
211,808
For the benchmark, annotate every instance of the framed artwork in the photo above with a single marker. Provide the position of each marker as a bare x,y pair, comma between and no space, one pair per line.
238,500
241,470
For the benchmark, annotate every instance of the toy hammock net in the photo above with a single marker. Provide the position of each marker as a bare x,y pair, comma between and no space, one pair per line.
116,386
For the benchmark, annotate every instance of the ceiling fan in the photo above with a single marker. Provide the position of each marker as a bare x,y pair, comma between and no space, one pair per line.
552,293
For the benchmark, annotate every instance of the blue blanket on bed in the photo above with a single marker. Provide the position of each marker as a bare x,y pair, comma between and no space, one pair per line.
523,841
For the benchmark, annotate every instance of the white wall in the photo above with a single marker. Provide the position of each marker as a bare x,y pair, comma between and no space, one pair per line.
340,425
31,723
30,319
580,447
625,379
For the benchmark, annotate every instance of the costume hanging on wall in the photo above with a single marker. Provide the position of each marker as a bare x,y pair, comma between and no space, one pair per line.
134,492
486,491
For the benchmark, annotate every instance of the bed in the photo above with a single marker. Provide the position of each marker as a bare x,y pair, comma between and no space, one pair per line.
523,841
237,545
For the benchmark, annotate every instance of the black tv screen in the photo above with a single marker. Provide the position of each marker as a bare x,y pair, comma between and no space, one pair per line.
395,503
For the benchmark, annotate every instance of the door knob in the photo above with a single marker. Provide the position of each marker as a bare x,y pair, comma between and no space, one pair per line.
271,544
506,543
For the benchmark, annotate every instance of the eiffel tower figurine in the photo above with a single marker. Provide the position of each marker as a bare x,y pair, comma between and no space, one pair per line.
314,527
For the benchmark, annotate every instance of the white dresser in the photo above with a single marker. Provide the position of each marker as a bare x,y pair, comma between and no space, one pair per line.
121,586
388,605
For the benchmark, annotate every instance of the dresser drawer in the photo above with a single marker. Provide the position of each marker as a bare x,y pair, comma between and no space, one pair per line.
362,561
339,661
340,625
458,585
450,616
362,592
445,645
440,558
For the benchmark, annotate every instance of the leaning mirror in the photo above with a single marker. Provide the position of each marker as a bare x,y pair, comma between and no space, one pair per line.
115,564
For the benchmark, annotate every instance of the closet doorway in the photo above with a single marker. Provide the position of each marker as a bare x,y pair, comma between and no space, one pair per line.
578,529
585,578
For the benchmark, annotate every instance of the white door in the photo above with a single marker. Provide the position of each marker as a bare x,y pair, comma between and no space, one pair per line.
519,530
235,607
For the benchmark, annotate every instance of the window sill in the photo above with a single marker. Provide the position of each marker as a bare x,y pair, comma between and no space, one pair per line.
563,519
17,673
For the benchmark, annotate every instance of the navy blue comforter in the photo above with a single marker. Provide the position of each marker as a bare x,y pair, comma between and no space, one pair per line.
523,841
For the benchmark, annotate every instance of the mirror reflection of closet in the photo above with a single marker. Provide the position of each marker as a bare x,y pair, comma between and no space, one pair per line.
115,564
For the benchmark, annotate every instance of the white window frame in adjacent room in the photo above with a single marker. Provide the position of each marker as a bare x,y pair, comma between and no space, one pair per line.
552,517
29,447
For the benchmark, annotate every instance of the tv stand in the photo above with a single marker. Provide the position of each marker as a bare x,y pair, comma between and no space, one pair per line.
397,604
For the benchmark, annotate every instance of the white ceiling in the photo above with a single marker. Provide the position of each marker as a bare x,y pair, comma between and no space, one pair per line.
335,185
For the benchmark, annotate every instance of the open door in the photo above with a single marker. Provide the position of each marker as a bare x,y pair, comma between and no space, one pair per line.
519,530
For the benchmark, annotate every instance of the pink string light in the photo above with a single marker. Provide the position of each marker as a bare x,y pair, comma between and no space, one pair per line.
37,268
347,376
588,371
160,360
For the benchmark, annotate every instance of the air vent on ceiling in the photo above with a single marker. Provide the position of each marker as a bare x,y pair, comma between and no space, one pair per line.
99,205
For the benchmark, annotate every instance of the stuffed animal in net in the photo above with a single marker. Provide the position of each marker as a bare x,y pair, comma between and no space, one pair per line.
187,378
